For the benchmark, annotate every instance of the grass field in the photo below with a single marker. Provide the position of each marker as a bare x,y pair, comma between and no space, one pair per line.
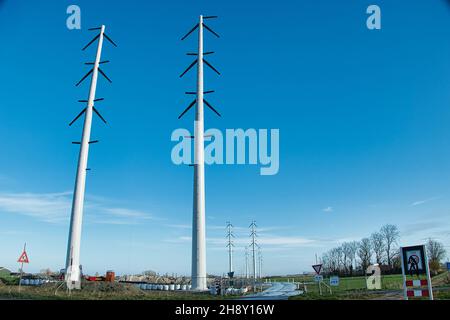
356,288
388,282
98,291
350,288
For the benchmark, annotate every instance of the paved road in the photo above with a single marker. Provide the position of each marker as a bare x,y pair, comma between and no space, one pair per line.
278,291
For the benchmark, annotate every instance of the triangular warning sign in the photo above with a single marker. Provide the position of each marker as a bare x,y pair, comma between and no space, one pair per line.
23,258
317,268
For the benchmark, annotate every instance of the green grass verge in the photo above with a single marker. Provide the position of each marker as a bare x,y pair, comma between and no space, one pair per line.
98,292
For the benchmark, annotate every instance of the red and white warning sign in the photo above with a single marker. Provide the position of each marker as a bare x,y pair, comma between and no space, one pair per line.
414,266
23,257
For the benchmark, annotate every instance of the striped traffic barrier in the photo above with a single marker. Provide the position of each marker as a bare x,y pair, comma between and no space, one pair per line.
414,290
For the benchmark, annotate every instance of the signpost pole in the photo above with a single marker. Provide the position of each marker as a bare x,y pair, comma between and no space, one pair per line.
320,287
405,294
20,279
427,268
21,266
317,268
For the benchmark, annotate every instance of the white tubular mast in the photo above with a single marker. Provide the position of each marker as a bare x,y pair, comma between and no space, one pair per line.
198,233
73,267
199,282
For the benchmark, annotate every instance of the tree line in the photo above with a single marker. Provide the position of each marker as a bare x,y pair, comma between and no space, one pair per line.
354,257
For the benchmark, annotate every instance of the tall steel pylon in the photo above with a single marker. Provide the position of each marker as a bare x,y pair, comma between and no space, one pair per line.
199,282
253,244
260,261
230,245
246,263
73,267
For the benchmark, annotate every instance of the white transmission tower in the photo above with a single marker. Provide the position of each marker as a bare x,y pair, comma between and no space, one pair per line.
199,282
253,244
230,245
73,267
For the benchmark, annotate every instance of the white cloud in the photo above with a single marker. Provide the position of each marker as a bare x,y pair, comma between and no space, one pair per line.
272,242
50,207
56,208
418,203
127,213
328,209
179,226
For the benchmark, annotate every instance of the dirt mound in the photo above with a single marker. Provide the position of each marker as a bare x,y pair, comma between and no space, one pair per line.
109,287
89,290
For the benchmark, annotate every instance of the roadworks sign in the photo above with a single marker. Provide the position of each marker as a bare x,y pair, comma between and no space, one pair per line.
23,258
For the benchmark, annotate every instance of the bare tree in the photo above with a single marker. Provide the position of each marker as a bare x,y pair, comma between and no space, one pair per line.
326,263
365,253
435,253
340,258
349,250
390,235
346,251
378,246
335,257
354,245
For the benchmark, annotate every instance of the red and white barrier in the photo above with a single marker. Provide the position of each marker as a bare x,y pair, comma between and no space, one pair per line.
417,283
417,293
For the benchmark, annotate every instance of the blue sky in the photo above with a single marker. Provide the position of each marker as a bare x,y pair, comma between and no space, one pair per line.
363,118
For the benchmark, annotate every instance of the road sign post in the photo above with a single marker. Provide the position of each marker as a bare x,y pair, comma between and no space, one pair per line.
414,262
22,259
317,268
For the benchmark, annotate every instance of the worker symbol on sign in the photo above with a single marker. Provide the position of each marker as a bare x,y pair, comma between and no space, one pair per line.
413,264
23,257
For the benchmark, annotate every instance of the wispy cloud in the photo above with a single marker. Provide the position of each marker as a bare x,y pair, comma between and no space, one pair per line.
420,202
56,208
420,227
236,229
179,226
328,209
127,213
423,230
271,242
49,207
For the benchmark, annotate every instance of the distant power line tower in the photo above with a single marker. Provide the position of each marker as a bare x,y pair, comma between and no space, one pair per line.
73,267
260,261
198,228
246,263
253,245
230,245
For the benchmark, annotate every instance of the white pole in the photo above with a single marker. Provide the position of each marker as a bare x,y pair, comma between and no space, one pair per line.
427,268
198,230
73,270
405,289
246,263
21,266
